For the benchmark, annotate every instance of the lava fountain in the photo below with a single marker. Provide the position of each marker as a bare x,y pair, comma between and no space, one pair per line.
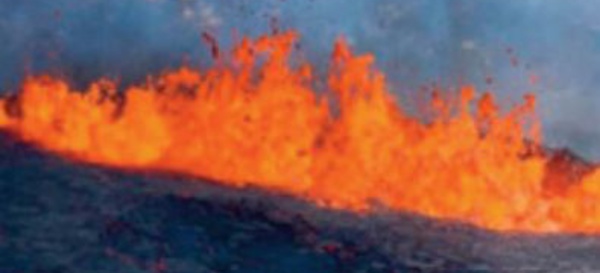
255,120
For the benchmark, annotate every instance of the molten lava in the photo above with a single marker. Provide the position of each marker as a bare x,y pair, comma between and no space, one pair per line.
259,122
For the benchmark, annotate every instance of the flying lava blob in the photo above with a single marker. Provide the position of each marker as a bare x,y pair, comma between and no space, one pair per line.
259,122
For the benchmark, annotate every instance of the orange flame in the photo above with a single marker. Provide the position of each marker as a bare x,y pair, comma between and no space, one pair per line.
260,122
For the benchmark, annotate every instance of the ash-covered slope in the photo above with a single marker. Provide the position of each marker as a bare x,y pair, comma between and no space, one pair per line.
58,216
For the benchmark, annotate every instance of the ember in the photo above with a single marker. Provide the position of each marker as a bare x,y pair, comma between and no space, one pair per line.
258,122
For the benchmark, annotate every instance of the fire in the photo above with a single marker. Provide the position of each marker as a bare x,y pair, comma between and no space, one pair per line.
260,122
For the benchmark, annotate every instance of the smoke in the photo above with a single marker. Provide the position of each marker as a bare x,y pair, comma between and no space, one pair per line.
498,45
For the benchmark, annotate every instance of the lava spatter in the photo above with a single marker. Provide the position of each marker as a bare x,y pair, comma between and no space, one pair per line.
258,121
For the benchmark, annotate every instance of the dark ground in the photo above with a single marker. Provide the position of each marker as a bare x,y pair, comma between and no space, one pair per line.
57,216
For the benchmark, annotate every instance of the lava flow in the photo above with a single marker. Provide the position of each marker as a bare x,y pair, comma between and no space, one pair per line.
259,122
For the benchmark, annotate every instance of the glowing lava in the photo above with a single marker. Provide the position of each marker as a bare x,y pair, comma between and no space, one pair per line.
260,122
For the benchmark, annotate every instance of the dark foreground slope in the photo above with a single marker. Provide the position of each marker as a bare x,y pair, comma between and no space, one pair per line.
57,216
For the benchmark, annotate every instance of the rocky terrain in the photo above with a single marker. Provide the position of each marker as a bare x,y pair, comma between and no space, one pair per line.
59,216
